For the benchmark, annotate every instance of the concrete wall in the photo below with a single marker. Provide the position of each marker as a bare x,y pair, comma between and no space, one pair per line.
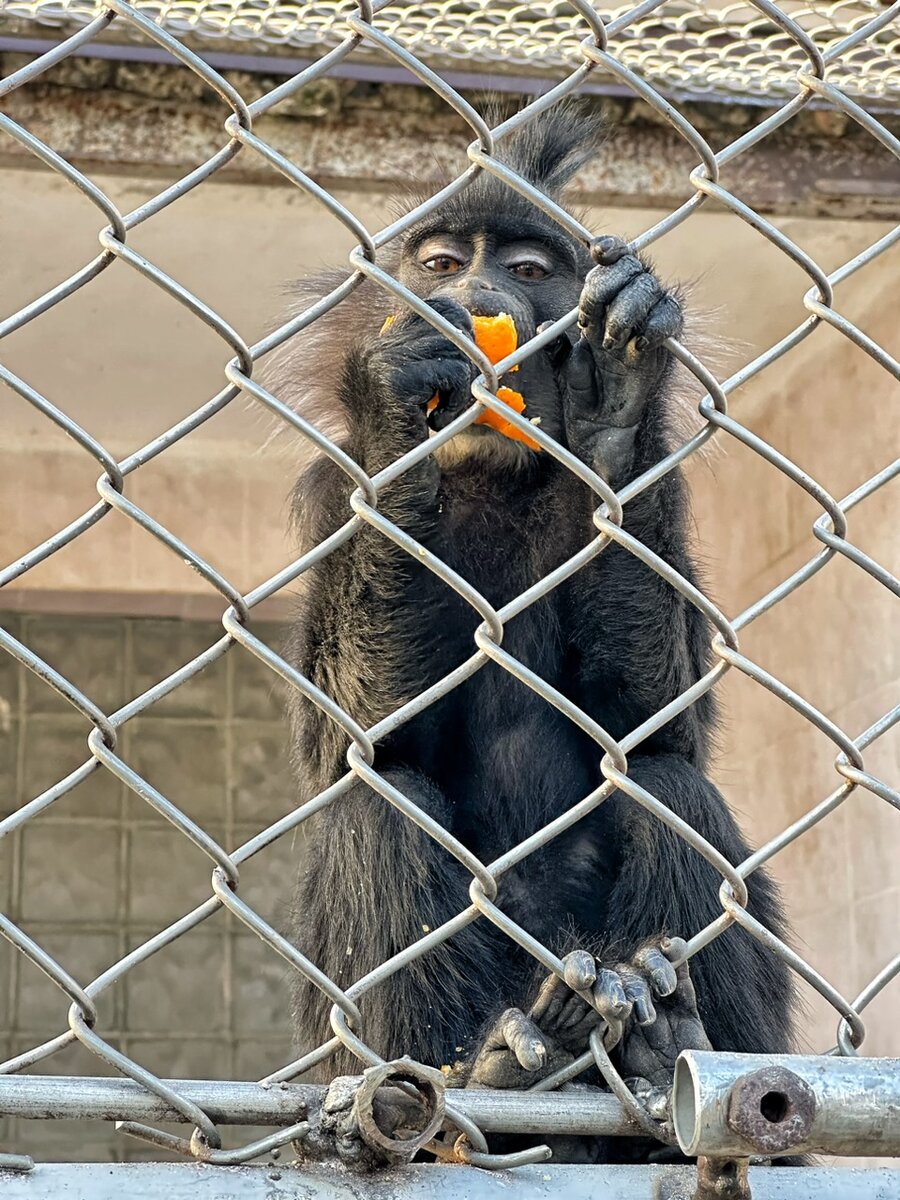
96,872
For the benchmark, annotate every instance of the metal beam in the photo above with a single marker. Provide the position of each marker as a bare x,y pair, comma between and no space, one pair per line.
643,164
194,1181
60,1097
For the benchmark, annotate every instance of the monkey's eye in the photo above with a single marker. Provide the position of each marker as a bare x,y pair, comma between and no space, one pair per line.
529,270
442,264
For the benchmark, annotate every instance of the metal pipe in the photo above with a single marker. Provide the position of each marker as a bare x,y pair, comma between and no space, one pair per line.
736,1105
51,1097
180,1181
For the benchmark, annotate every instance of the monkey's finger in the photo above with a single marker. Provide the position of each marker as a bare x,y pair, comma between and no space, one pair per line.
573,1011
549,1001
638,992
580,971
451,310
674,948
665,321
629,310
453,379
684,995
608,249
579,376
524,1038
653,963
577,1034
559,349
602,285
610,997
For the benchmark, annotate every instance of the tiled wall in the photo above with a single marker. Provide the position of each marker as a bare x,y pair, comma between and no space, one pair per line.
99,871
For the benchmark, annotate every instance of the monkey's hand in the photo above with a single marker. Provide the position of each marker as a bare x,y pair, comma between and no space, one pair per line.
619,361
414,363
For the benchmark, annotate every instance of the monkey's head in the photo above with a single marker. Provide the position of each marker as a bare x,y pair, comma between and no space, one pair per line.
493,251
487,248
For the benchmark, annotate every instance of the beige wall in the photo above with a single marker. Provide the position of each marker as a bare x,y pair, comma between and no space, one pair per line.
126,361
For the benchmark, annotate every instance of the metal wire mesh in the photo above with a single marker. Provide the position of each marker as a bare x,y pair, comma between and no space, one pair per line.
816,73
702,49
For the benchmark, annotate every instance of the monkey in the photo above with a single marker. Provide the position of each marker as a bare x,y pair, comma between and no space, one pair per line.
492,761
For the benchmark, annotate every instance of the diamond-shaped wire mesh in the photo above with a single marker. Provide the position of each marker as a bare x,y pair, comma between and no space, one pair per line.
818,71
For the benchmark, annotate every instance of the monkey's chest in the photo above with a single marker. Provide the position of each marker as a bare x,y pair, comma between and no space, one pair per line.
518,762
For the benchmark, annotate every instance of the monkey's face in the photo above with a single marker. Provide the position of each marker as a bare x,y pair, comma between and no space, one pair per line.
531,271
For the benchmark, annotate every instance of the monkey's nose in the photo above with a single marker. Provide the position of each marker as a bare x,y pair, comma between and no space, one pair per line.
476,285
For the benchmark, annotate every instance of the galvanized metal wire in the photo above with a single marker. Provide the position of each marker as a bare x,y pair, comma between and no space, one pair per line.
807,67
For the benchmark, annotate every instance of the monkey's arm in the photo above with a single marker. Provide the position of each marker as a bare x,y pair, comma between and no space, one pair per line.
640,642
615,379
361,637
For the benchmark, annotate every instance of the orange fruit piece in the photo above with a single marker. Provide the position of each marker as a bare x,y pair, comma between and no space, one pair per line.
497,337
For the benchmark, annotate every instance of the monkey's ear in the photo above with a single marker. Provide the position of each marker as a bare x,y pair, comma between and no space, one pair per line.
553,147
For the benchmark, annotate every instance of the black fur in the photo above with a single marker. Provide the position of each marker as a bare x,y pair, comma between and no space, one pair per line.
492,761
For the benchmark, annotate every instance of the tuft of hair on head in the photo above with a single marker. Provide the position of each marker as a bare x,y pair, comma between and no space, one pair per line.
547,150
550,149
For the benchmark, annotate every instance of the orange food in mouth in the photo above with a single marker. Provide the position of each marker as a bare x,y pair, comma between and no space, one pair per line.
497,337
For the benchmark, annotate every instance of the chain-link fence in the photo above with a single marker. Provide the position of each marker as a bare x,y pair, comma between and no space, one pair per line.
650,51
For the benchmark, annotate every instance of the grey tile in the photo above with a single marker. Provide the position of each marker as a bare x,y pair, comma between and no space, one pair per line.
168,874
88,651
70,873
6,958
263,785
182,987
243,1135
183,1058
12,623
55,746
255,1058
161,647
73,1059
261,988
258,692
269,878
66,1141
185,760
42,1006
9,761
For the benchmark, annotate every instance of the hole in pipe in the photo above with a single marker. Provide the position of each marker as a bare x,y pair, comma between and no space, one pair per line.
774,1107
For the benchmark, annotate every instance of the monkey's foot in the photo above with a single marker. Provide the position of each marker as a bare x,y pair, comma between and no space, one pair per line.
647,1004
619,362
648,1051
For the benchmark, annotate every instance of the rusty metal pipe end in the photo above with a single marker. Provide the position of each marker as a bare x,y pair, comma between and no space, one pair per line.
772,1109
426,1108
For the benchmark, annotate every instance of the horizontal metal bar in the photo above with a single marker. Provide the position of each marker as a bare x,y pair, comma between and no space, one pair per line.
736,1105
789,175
60,1097
371,72
195,1181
